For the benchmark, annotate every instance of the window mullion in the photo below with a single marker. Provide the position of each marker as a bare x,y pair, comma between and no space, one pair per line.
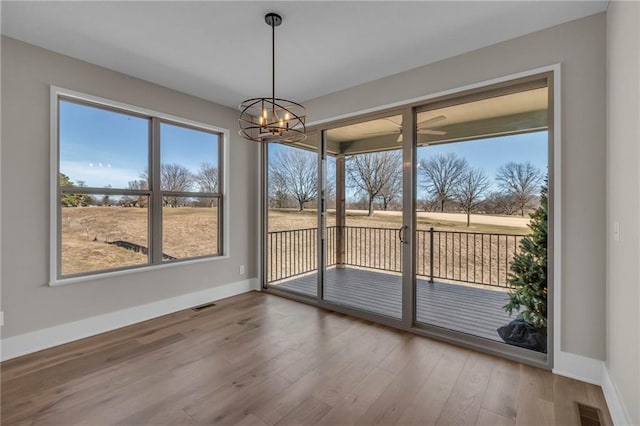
156,195
101,191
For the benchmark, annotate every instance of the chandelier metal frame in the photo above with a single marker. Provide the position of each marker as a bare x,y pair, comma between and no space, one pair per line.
272,119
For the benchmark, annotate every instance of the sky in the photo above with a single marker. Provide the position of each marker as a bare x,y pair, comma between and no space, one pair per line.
105,148
489,154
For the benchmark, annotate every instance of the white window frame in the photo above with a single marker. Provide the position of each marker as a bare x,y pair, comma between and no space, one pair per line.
55,278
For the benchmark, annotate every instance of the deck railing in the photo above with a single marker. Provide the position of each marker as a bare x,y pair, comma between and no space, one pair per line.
374,248
478,258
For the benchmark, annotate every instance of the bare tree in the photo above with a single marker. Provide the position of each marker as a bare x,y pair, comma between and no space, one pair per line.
278,193
136,201
498,203
520,180
428,204
138,185
175,178
207,178
392,190
359,202
473,184
441,174
371,173
330,183
295,171
207,181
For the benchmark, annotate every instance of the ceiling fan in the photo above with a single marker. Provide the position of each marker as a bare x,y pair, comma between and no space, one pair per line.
422,128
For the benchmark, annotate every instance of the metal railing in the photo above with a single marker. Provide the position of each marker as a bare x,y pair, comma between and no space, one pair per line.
478,258
374,248
292,253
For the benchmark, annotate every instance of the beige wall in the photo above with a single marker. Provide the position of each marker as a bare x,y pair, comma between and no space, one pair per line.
580,47
623,191
28,302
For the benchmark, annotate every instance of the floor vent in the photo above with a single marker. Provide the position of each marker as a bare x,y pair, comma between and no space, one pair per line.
589,416
203,307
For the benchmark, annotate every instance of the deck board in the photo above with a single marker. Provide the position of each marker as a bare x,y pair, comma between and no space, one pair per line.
467,309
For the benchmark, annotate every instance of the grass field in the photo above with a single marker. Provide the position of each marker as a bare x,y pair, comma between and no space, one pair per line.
192,231
87,231
287,219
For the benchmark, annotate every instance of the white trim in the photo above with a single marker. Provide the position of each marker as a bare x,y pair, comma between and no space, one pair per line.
619,414
53,186
638,160
55,93
23,344
133,270
556,294
578,367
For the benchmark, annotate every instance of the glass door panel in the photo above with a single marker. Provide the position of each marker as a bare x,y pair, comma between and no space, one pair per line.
364,216
292,216
481,167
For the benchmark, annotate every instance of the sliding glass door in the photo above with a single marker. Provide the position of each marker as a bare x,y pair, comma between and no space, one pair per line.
364,217
427,217
292,230
481,169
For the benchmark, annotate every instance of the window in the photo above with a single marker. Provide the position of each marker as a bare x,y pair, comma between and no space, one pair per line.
133,188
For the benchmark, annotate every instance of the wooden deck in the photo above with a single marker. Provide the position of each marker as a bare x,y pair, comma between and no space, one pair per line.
467,309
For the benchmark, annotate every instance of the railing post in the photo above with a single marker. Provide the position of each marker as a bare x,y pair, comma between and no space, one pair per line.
431,254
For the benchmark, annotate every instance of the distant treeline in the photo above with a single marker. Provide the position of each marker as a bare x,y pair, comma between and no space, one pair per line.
173,177
446,183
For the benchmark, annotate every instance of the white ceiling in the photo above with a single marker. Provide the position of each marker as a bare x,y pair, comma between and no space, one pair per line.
221,50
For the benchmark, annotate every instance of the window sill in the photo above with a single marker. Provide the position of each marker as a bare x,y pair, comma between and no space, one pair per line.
134,270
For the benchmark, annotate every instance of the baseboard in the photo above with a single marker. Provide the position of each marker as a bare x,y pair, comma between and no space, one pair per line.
578,367
617,409
595,372
27,343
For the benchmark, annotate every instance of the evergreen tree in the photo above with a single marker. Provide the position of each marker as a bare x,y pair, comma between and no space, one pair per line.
67,199
72,200
528,277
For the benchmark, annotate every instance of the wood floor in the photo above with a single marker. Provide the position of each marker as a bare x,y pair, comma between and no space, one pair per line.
257,359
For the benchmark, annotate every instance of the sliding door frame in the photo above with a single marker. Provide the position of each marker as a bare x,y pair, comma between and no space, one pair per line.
409,110
409,150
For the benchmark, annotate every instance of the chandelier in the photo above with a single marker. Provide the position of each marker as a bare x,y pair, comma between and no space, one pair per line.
272,119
